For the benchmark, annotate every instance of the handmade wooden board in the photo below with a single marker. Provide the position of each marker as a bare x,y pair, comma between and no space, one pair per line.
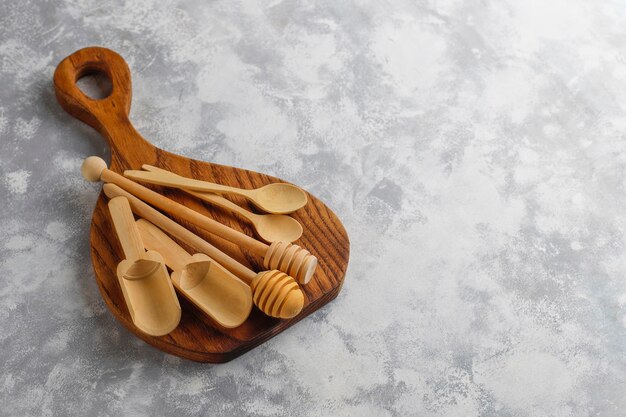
197,336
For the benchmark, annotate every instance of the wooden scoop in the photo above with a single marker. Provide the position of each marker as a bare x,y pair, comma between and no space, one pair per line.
269,227
146,286
274,293
286,257
204,282
194,338
277,198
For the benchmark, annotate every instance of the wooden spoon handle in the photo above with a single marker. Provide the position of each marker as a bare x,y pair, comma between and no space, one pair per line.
183,183
225,204
127,233
179,232
208,197
173,254
108,115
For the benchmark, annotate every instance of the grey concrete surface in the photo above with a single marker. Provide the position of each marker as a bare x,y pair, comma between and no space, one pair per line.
474,149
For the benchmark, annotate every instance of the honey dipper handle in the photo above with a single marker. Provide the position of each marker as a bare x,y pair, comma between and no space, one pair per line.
124,224
154,239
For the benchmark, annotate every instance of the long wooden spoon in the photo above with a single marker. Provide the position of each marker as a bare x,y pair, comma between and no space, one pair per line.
286,257
277,198
274,293
269,227
204,282
146,286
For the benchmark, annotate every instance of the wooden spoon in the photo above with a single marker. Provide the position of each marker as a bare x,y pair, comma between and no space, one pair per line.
204,282
269,227
146,286
277,198
274,293
286,257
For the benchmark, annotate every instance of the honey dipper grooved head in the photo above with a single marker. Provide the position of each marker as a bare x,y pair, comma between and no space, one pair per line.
291,259
92,168
277,294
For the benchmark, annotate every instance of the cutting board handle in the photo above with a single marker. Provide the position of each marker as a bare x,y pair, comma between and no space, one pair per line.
108,115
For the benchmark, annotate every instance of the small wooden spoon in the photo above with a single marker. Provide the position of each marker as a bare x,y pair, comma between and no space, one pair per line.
204,282
277,198
145,284
269,227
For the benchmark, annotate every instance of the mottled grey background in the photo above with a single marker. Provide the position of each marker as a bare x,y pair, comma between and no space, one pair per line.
475,150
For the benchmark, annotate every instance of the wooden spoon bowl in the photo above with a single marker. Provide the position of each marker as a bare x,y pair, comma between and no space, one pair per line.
277,227
279,198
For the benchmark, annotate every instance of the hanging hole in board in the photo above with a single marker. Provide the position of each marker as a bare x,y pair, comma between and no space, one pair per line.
95,84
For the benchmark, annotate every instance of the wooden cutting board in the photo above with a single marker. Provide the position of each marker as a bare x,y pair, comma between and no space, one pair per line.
197,336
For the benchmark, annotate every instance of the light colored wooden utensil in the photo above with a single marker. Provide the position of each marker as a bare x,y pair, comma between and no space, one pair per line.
269,227
204,282
277,198
146,286
286,257
274,293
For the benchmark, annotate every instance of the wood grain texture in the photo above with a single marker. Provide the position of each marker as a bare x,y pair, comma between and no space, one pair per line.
197,337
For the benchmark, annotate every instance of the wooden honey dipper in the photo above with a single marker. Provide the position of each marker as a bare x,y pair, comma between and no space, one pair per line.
286,257
273,292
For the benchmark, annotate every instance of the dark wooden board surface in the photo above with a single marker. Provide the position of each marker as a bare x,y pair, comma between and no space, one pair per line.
197,336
